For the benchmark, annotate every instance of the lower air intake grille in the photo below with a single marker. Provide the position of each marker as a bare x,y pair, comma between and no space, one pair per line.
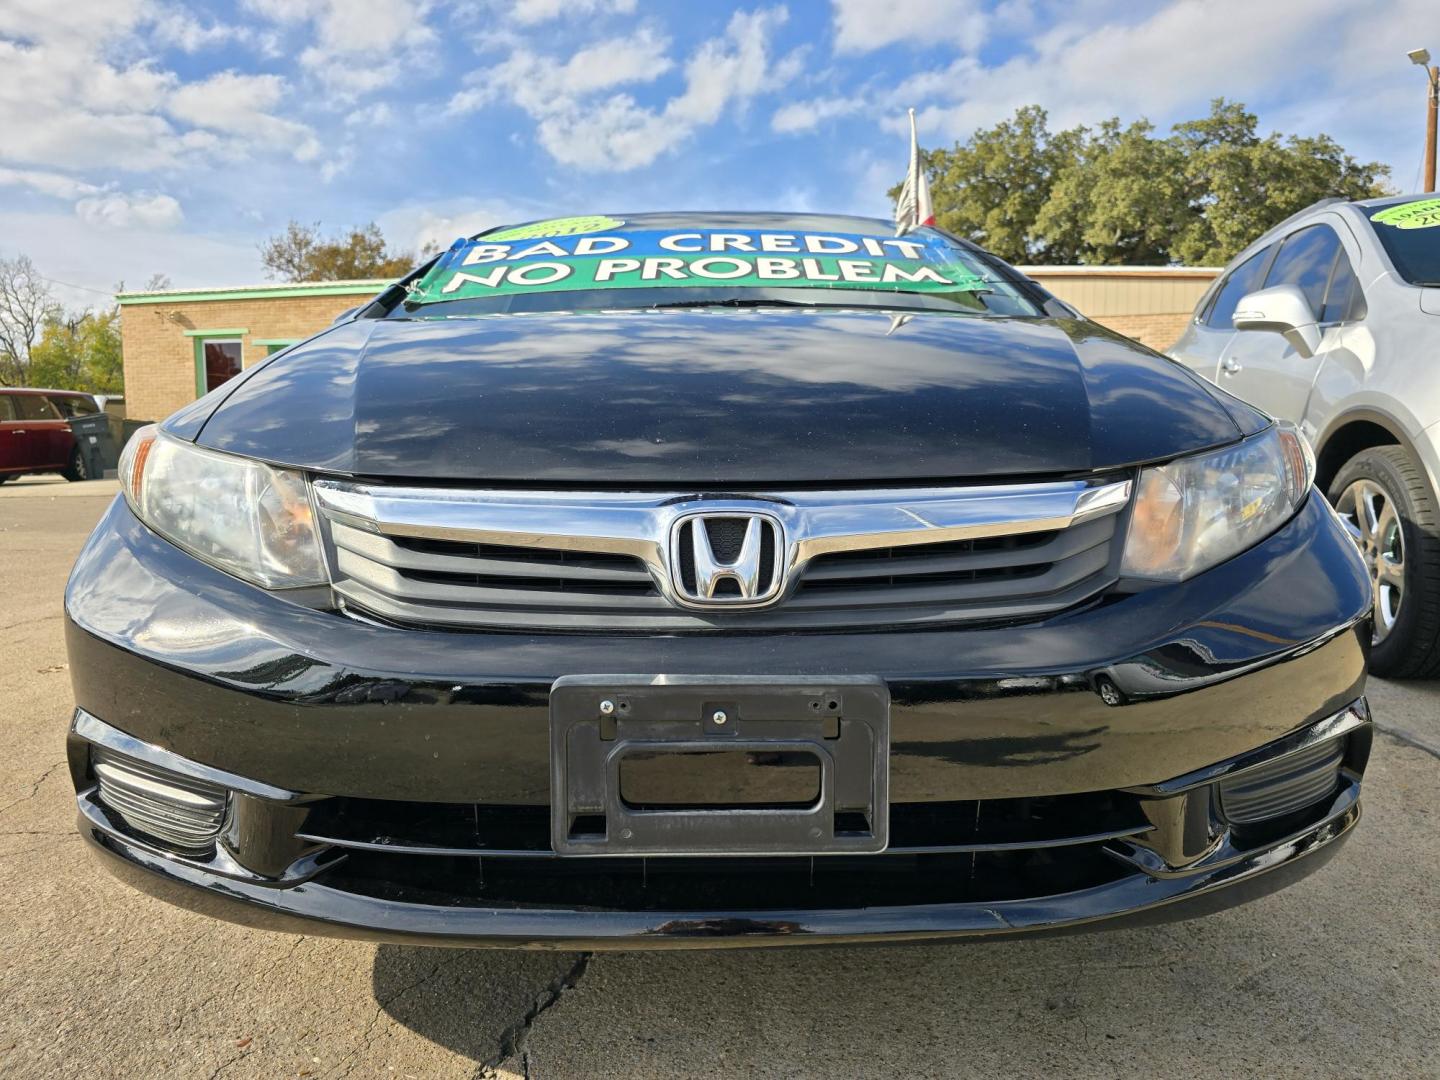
181,813
1290,784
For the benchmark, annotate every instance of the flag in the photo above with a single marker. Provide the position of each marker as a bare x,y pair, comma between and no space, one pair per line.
912,208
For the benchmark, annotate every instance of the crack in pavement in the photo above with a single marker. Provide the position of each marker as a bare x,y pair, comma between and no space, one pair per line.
1409,738
191,1009
32,621
32,850
35,787
513,1039
227,1063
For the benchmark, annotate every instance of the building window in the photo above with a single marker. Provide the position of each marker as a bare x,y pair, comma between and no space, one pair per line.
219,357
222,362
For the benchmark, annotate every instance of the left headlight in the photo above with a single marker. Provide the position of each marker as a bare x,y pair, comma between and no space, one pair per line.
1195,512
249,519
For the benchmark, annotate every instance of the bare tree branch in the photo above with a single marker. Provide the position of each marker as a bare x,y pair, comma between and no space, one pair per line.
25,302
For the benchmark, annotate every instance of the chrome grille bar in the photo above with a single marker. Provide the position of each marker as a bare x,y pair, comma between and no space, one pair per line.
568,560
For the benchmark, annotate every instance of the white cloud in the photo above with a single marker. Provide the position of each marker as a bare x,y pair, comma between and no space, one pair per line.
174,27
353,26
97,206
82,92
63,105
540,86
243,106
360,46
46,183
864,25
801,116
80,23
579,124
431,226
117,210
530,12
1087,63
735,67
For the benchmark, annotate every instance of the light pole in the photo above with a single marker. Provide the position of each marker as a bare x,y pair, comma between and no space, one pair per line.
1422,57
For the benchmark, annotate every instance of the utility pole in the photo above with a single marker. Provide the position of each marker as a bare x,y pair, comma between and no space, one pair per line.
1432,74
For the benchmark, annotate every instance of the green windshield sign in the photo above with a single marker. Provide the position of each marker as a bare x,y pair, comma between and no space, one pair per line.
1423,214
594,253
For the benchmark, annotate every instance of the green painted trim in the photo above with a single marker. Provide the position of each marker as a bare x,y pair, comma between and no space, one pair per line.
256,292
281,341
200,337
199,346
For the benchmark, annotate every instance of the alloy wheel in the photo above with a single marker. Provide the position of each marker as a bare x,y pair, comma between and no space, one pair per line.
1373,521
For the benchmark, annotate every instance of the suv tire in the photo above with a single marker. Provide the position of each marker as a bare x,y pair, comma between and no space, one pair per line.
1391,484
76,469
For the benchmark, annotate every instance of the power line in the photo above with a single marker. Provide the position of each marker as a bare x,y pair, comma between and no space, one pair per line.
82,288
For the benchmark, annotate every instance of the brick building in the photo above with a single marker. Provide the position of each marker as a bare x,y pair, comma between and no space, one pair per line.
179,343
1148,303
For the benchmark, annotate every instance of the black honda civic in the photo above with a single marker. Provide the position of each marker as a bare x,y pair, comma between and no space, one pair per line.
668,580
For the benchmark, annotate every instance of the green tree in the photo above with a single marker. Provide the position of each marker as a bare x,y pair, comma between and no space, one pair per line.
301,253
79,351
1242,184
1117,194
992,187
1121,200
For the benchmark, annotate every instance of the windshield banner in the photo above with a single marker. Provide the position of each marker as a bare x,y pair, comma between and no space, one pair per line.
499,265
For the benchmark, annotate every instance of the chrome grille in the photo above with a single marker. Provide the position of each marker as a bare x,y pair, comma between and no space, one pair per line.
179,811
1290,783
597,561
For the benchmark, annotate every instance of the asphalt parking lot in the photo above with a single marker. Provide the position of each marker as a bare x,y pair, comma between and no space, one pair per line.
1337,976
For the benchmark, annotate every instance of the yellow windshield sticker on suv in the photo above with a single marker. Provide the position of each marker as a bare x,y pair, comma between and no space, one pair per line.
1422,214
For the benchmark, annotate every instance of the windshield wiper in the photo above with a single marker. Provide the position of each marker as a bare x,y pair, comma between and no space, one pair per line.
739,302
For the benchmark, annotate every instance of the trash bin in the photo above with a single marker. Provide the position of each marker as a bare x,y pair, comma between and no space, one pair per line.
97,448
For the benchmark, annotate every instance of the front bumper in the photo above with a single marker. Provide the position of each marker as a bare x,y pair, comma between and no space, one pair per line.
1093,741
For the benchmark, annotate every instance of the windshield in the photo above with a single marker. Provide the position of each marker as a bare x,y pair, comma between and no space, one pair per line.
578,264
1410,233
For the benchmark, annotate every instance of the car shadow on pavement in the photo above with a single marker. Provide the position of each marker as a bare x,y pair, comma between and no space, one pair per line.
1254,985
475,1002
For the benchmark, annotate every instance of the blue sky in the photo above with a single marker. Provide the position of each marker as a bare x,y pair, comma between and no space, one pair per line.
138,138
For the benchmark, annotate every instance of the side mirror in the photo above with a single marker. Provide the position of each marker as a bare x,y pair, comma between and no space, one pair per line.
346,315
1284,310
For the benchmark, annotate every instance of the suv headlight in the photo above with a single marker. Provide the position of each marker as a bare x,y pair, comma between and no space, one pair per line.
1195,512
249,519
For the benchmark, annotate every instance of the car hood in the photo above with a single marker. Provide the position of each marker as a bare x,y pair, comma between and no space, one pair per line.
719,397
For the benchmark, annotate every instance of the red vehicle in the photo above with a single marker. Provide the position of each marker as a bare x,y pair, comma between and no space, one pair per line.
35,436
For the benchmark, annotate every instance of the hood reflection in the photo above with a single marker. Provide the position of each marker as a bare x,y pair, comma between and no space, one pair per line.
720,397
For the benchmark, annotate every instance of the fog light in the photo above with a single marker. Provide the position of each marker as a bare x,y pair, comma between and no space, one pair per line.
1284,786
178,811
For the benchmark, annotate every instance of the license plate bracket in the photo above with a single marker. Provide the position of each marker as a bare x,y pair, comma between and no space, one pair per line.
610,734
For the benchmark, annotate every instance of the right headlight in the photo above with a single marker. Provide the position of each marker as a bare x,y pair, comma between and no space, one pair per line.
1195,512
248,518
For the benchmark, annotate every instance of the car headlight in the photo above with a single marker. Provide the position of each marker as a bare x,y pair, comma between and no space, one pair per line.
1195,512
249,519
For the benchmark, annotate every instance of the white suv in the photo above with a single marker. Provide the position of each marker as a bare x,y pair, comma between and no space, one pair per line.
1332,320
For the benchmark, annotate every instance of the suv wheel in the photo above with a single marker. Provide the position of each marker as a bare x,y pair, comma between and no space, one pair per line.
1386,504
76,469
